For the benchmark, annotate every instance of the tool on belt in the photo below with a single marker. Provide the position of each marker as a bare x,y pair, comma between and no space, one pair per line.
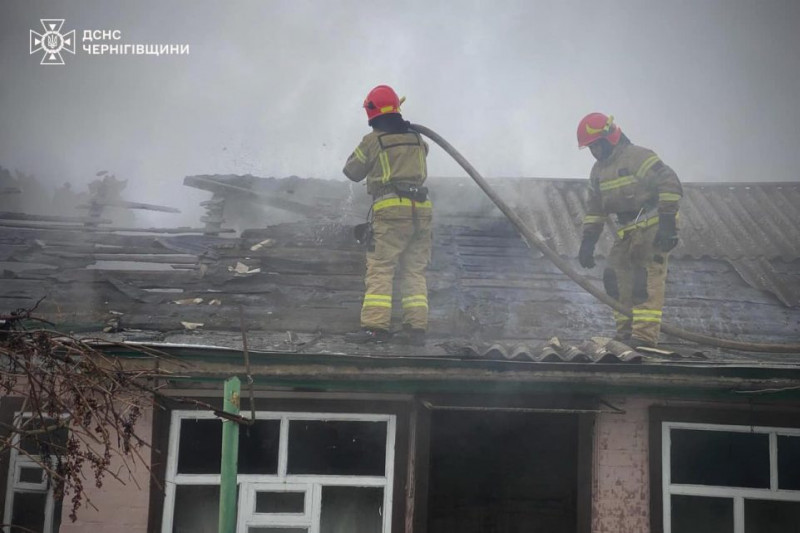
411,191
363,233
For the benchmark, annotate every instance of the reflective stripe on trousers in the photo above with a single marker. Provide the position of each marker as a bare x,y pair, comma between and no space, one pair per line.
402,246
640,272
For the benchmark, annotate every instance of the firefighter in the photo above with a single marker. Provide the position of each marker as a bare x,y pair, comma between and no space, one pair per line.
643,193
392,158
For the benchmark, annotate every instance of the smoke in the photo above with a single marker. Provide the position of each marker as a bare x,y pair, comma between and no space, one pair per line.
274,88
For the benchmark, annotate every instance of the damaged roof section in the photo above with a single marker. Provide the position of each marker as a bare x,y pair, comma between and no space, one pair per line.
752,226
292,266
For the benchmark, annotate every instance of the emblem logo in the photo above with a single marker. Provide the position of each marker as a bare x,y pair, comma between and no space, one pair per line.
52,42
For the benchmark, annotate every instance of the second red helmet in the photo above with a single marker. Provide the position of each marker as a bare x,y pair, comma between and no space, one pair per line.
596,126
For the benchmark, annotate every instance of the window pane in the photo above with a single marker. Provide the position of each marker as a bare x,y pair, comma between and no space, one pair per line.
258,447
351,510
29,510
789,463
32,474
280,502
771,517
201,447
196,509
337,447
53,442
720,458
695,514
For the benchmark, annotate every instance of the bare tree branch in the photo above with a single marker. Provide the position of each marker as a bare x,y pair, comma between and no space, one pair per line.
82,405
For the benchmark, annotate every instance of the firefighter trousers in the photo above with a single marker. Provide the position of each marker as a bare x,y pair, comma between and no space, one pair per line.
402,247
636,276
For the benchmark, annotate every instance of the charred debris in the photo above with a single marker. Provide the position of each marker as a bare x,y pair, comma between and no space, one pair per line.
282,251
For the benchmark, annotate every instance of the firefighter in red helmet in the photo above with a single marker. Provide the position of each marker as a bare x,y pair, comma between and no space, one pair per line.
392,159
643,193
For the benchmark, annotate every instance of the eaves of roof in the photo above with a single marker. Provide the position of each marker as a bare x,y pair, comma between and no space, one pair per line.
426,373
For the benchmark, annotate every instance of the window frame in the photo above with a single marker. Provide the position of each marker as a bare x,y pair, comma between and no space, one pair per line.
16,462
247,500
246,481
773,421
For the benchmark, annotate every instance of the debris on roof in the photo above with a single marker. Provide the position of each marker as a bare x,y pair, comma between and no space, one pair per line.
736,273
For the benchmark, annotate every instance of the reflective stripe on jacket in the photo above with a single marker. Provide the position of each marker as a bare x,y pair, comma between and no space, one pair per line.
633,179
397,201
383,158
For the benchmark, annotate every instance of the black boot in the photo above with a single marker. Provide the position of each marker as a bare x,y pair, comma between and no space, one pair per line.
412,336
367,335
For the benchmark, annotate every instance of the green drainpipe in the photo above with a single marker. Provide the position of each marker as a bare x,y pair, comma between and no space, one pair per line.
230,458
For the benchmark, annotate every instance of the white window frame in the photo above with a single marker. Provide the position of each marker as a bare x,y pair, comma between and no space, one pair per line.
16,462
247,502
737,494
248,483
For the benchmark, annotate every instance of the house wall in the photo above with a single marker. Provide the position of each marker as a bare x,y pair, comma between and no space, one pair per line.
620,476
620,480
120,508
620,484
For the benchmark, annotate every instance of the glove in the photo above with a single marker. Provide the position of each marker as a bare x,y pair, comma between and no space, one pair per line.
586,253
667,234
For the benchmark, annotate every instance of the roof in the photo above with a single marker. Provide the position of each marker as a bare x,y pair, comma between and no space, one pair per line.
294,271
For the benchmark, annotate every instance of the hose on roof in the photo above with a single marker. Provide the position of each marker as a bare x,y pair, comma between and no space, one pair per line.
533,237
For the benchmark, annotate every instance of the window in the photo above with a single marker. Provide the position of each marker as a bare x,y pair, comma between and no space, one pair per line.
298,473
730,478
30,503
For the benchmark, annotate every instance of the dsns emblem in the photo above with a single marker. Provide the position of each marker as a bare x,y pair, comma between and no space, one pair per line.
52,42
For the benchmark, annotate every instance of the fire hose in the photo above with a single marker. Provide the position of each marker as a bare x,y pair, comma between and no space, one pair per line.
534,238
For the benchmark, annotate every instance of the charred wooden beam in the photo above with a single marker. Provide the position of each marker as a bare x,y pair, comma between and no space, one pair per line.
91,248
129,205
93,229
7,215
140,278
135,258
219,187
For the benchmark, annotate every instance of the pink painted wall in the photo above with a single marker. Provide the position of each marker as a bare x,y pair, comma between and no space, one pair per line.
620,477
121,508
620,480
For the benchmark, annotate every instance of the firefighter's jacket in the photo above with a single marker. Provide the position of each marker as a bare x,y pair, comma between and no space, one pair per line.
634,184
385,159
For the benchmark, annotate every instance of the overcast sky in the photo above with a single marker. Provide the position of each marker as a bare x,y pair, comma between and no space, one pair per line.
274,88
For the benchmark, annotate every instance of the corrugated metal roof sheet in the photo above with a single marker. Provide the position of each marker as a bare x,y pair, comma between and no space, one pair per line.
722,221
761,273
749,225
596,350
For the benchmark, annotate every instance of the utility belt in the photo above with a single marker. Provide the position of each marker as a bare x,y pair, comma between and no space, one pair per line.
629,217
403,189
402,194
632,220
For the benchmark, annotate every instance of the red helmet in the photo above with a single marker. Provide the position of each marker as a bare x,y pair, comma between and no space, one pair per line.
382,100
596,126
